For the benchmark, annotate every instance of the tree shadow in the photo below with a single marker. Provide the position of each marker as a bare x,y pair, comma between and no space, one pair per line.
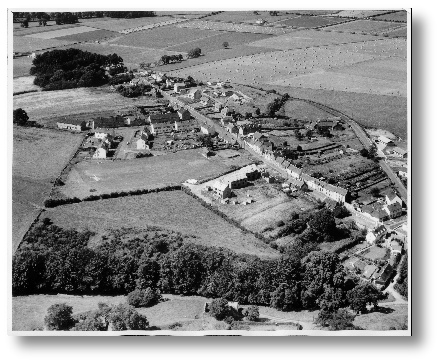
381,309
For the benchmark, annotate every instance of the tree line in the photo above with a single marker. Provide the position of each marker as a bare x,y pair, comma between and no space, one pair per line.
53,260
72,68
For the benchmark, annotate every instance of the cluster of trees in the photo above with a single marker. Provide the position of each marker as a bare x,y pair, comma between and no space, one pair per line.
120,317
133,91
401,283
53,260
144,297
19,16
194,53
166,59
20,117
121,78
370,153
129,14
277,104
72,68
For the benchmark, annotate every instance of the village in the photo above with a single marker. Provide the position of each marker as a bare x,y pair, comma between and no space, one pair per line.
302,159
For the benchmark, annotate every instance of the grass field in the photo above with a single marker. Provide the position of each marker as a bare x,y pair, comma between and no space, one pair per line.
375,253
215,42
28,44
21,66
221,26
311,38
304,21
61,32
397,16
22,217
162,38
398,33
153,172
247,16
303,110
71,101
172,210
360,13
367,26
23,84
384,319
122,24
88,36
35,28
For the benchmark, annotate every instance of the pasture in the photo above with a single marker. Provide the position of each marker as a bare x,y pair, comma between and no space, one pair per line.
311,38
367,26
24,84
386,317
247,16
303,110
117,25
61,32
172,210
35,28
88,36
215,42
304,21
21,66
22,217
41,105
163,37
152,172
359,13
398,33
397,16
221,26
23,44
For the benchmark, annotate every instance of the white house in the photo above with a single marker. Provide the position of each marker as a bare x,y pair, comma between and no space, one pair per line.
142,143
101,135
194,94
178,87
101,151
376,234
221,189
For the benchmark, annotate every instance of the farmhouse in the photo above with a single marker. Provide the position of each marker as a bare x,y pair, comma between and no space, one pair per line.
399,152
163,123
376,234
178,87
194,94
330,125
102,150
391,197
221,189
241,177
184,114
72,124
395,247
142,143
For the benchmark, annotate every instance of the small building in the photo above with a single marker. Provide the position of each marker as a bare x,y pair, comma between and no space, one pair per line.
298,184
399,152
206,129
391,197
369,271
374,235
231,127
72,124
194,94
142,143
394,210
382,276
184,114
163,123
101,135
384,141
395,247
221,189
102,151
178,87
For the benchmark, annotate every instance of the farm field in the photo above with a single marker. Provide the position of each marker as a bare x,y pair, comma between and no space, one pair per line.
93,35
360,13
247,16
27,44
28,312
152,172
23,84
215,42
367,109
398,16
163,37
367,26
172,210
61,32
398,33
303,110
303,21
22,217
221,26
41,105
21,66
117,25
394,315
35,28
311,38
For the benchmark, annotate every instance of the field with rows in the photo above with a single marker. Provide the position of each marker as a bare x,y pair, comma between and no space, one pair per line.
172,210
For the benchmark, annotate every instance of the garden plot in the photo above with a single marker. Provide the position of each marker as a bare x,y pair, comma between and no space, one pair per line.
397,16
23,44
164,37
311,38
61,32
245,28
367,26
172,210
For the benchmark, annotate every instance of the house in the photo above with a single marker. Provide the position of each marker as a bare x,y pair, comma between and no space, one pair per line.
251,171
225,111
101,135
395,247
384,141
231,127
259,136
268,178
399,152
142,143
333,124
184,114
72,124
194,94
382,276
391,197
359,265
178,87
376,234
298,184
394,210
369,271
162,123
186,126
294,171
261,21
102,150
246,127
221,189
401,171
207,153
234,180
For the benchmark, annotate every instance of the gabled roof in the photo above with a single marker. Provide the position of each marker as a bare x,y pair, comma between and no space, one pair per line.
384,274
379,230
399,150
384,139
164,118
394,207
369,270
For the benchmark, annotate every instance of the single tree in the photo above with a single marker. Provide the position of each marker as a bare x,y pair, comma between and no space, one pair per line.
59,317
20,117
225,44
375,191
219,308
252,313
194,53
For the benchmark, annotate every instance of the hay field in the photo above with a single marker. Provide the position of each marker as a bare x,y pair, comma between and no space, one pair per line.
382,48
42,105
215,42
23,84
163,37
247,16
24,44
172,210
93,35
370,110
303,110
21,66
311,38
398,16
28,312
245,28
122,24
152,172
61,32
35,28
368,26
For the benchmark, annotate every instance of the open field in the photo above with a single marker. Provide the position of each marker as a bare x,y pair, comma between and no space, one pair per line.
215,42
303,21
28,44
311,38
22,217
35,28
360,13
152,172
247,16
23,84
398,16
61,32
172,210
21,66
367,26
28,312
367,109
303,110
375,253
245,28
164,37
94,35
389,316
41,105
117,25
398,33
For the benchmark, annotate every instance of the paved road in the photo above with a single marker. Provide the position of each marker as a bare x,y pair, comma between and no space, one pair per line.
399,185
